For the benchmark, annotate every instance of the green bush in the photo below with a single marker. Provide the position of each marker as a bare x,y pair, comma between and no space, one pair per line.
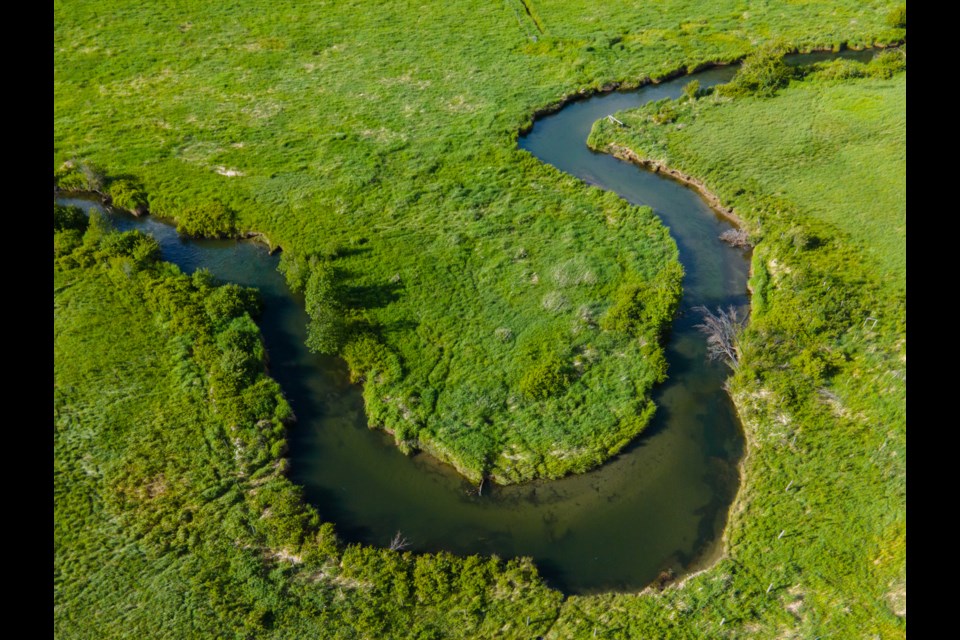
327,330
545,378
68,178
897,18
125,194
762,73
643,308
368,358
98,227
666,113
143,249
295,268
64,242
211,220
887,63
69,218
229,301
242,335
840,69
236,368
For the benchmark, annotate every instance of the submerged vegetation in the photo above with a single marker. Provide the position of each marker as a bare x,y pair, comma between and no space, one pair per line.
821,379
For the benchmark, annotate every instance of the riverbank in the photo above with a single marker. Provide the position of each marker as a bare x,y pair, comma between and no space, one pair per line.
822,361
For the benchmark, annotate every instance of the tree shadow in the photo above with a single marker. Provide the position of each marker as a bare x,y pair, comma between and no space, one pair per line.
371,296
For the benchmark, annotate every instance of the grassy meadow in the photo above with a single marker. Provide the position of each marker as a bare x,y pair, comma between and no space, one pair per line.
172,514
478,294
817,538
380,142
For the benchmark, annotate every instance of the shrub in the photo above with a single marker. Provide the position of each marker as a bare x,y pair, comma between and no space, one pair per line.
840,70
67,177
295,269
327,330
886,63
212,220
545,378
125,194
236,368
762,73
143,249
231,301
368,358
64,242
78,175
69,218
97,228
242,335
644,307
897,18
666,113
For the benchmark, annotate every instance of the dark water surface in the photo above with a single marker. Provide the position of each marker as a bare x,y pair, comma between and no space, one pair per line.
661,504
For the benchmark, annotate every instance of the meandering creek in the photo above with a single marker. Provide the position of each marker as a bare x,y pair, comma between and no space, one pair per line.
660,505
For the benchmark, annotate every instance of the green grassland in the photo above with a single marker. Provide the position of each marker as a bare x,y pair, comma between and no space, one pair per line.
173,517
377,146
464,281
816,542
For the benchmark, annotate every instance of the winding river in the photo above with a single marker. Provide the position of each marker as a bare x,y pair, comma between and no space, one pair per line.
659,505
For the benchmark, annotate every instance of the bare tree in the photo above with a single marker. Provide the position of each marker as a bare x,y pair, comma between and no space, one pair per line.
723,334
399,542
736,237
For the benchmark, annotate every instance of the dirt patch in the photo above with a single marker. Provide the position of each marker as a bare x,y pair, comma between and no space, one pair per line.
897,599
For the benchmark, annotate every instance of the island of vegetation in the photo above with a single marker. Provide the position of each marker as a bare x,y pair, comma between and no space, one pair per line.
500,315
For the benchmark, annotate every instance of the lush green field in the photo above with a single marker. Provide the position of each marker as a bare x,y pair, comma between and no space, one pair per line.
377,146
793,148
817,540
380,141
173,518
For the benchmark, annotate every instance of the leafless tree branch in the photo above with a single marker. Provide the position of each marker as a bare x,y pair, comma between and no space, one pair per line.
723,334
399,542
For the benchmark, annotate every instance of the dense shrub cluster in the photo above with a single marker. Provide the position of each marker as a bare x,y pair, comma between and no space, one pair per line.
885,65
127,194
210,220
762,73
645,308
545,377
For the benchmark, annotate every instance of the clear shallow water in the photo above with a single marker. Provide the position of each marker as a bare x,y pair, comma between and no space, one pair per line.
661,504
